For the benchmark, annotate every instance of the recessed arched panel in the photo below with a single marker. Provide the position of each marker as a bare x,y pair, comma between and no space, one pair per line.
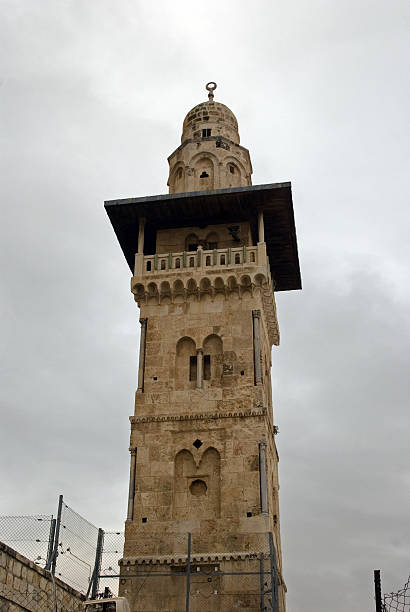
233,175
178,287
232,283
260,280
165,288
152,289
205,284
197,487
177,180
192,286
246,281
219,284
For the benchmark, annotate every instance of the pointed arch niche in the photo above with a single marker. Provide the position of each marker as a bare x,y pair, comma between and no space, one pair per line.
197,488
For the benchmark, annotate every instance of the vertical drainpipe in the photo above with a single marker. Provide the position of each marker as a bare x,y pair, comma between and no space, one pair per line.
141,366
131,490
199,367
262,477
256,317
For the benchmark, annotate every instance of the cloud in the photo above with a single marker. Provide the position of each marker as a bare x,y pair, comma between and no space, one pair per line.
93,98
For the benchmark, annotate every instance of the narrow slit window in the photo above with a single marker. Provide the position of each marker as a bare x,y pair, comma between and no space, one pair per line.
207,367
191,262
222,262
232,169
177,263
237,258
192,367
162,264
208,260
148,266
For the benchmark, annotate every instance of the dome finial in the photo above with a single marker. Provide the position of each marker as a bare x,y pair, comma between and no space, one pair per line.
211,86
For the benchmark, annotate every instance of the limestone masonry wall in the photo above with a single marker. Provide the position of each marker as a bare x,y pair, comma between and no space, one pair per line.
26,586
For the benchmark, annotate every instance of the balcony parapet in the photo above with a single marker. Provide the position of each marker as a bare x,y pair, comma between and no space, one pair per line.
200,260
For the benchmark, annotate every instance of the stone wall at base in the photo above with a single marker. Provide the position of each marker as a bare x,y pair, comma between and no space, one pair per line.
26,586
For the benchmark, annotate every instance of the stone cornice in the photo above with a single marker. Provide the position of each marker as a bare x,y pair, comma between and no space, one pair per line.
200,416
181,559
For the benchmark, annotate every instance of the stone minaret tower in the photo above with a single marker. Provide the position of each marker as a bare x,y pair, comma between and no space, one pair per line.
206,261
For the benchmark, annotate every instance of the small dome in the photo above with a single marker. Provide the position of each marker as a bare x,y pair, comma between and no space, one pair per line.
215,117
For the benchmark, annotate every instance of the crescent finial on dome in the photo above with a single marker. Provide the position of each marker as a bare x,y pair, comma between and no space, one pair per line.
211,86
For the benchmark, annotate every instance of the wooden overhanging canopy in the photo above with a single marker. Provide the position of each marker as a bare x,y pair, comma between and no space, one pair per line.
202,208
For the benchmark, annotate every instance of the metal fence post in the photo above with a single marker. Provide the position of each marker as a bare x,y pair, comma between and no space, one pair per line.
188,574
95,578
262,581
57,535
273,574
378,591
50,544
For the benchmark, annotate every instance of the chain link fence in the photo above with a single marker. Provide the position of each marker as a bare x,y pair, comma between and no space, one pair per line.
112,552
197,582
31,536
71,560
399,601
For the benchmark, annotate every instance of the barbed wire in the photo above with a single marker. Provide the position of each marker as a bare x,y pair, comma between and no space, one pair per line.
399,601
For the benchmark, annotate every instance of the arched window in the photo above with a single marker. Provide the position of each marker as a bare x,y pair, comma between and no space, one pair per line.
204,173
177,263
213,352
212,241
191,242
237,258
185,363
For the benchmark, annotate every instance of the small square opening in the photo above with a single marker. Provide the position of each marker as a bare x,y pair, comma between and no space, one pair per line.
144,519
197,443
249,514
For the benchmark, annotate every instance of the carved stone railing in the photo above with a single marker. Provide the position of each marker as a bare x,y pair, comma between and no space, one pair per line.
147,265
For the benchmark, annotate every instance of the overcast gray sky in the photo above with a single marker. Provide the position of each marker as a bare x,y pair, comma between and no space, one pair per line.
93,97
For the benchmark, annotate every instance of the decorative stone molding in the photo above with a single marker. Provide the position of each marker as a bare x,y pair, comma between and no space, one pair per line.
211,557
227,283
197,417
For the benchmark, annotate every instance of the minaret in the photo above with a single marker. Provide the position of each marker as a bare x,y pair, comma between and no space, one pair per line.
206,261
